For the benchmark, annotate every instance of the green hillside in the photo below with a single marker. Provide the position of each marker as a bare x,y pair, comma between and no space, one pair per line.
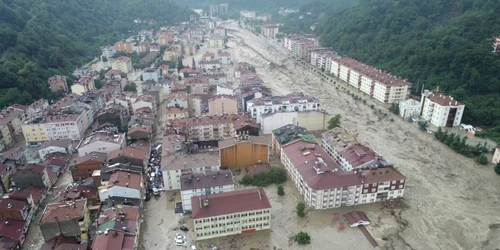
445,43
40,38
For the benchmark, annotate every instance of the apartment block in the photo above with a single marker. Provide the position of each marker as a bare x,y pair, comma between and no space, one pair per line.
103,142
324,184
179,157
151,74
58,83
222,104
10,125
123,46
269,30
84,84
409,108
288,134
123,64
198,184
55,127
231,213
441,110
290,102
69,219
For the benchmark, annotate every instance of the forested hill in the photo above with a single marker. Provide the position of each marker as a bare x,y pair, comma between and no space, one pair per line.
40,38
445,43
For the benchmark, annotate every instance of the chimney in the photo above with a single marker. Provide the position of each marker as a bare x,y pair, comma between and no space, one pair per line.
205,203
128,175
9,205
126,184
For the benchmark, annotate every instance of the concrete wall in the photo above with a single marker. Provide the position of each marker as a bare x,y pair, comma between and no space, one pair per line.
277,120
313,120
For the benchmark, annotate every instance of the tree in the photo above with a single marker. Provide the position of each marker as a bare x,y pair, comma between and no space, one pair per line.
301,208
132,87
394,108
247,180
422,125
180,66
497,168
303,238
281,190
193,64
334,122
482,159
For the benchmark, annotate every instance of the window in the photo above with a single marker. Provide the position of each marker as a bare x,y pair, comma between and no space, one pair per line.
400,186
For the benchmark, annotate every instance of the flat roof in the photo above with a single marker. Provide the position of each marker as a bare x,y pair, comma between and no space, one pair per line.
242,139
187,161
206,179
229,203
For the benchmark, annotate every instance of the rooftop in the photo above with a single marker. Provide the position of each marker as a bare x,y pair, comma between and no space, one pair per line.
229,203
286,99
114,240
125,179
443,100
289,133
172,110
134,151
64,143
102,137
62,211
358,154
244,138
222,97
11,229
12,204
123,59
205,180
94,156
8,114
339,139
238,121
173,159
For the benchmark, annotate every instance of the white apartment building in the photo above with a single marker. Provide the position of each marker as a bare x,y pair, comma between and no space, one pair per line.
496,155
101,142
441,110
224,90
409,108
249,211
290,102
55,127
324,185
206,183
224,58
392,90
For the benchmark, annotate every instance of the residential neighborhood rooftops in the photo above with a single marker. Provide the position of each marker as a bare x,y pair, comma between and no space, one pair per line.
102,137
63,211
63,143
129,152
229,203
8,114
242,139
114,240
206,180
286,99
125,179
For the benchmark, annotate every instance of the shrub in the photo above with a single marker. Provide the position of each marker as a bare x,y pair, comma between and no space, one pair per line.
303,238
281,190
392,119
301,209
276,175
497,168
372,106
482,159
247,180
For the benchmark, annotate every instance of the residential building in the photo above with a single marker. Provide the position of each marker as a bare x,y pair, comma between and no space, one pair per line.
82,167
123,46
325,185
177,100
171,54
101,142
84,84
196,104
114,239
58,83
219,30
215,78
189,72
247,14
198,184
190,49
310,120
224,58
176,113
213,65
4,178
151,74
409,108
290,102
55,127
164,38
144,101
136,154
441,110
250,211
243,150
123,64
13,233
32,174
14,209
287,134
139,132
156,90
199,85
214,128
108,52
79,191
496,155
269,30
68,219
222,104
175,161
123,188
57,146
10,126
32,195
123,218
217,41
114,114
225,89
37,107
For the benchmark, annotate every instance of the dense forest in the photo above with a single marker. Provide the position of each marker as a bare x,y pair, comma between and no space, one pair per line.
434,42
313,13
46,37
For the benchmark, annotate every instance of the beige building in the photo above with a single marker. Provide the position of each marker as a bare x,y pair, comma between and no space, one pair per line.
84,84
55,127
269,30
249,211
122,63
58,83
217,41
222,104
10,125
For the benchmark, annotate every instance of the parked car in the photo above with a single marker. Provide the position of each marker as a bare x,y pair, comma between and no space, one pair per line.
180,242
183,228
193,247
179,237
212,246
186,212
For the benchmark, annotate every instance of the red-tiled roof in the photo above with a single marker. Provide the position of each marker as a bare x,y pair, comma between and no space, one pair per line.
381,175
19,106
23,194
35,168
443,100
62,211
12,204
230,202
114,240
207,179
121,211
143,129
358,154
123,59
94,156
353,217
12,228
125,179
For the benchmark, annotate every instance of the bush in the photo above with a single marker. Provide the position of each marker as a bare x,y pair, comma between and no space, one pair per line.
281,190
303,238
275,176
422,125
482,159
301,209
372,106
